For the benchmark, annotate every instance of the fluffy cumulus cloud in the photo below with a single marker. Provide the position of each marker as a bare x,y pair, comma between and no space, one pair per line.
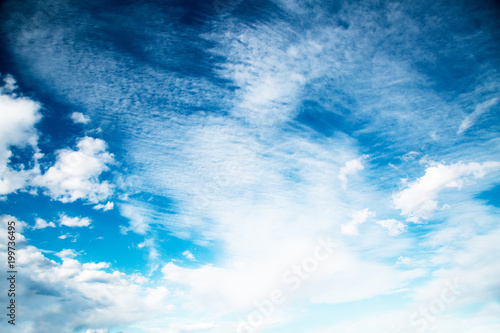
95,296
42,224
188,255
66,254
320,272
18,115
75,175
79,118
104,207
74,221
350,168
419,199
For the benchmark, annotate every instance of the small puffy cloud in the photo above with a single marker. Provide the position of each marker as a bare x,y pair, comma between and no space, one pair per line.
79,118
74,221
75,174
66,254
9,84
17,129
42,224
472,118
188,255
418,200
351,228
108,206
394,227
69,236
350,168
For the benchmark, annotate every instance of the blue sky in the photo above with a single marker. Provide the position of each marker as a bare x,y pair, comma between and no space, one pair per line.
268,166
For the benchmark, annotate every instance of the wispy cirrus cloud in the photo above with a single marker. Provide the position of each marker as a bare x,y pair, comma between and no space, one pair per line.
472,118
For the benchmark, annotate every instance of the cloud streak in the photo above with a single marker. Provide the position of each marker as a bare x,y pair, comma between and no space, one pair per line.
471,119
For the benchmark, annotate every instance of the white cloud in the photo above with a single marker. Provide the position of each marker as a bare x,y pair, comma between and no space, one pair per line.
264,200
188,255
153,255
42,224
150,244
403,260
336,279
74,221
108,206
79,118
139,222
9,84
94,266
20,225
265,67
350,168
95,299
66,254
418,200
472,118
394,227
75,174
351,228
410,156
269,80
18,116
466,255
